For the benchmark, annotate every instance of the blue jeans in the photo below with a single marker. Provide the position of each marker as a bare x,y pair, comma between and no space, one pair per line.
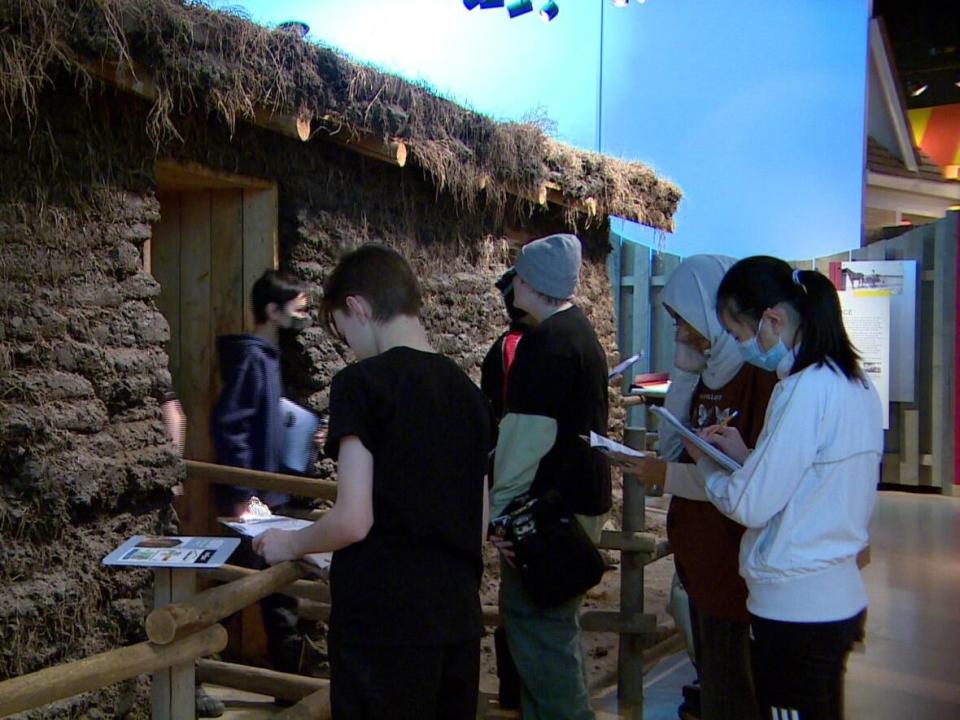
545,645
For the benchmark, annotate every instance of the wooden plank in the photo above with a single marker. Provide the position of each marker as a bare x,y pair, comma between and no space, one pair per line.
195,351
166,624
292,484
943,376
910,455
258,680
259,241
165,266
226,272
173,175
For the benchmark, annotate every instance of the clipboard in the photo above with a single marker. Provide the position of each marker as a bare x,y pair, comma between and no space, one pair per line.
714,453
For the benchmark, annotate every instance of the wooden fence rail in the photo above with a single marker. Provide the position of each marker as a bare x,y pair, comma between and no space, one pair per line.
165,624
98,671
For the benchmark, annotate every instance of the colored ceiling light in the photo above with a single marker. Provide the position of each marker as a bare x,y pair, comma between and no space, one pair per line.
519,7
549,11
470,4
487,4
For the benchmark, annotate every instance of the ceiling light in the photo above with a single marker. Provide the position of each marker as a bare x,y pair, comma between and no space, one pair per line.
918,89
519,7
470,4
549,11
487,4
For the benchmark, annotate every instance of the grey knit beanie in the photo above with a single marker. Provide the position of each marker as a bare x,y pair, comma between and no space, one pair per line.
551,265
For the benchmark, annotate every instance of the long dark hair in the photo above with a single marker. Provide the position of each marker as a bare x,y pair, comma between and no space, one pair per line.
756,283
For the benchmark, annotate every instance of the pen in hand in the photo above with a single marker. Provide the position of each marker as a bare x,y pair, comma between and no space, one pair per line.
726,421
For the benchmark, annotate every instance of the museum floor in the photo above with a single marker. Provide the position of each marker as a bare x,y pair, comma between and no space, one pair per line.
906,669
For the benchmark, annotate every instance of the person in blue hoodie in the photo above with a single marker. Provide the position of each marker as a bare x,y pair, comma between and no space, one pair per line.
247,431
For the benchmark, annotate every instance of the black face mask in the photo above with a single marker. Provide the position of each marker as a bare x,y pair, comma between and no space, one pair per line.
297,323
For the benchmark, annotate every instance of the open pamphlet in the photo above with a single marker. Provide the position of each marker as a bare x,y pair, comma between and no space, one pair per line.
713,452
610,447
173,552
253,526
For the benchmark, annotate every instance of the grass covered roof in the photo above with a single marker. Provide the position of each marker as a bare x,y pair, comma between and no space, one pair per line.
203,60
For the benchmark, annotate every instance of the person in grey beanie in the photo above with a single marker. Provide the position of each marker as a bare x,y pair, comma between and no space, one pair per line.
557,392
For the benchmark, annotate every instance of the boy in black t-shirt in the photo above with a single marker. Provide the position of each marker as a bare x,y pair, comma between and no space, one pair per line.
411,433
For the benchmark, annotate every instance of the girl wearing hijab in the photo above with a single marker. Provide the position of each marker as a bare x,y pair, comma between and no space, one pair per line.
806,492
710,384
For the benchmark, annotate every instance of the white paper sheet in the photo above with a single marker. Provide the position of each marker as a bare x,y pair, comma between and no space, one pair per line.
715,454
620,367
611,446
255,526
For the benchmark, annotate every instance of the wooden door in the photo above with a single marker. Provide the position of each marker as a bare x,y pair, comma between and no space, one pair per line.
207,250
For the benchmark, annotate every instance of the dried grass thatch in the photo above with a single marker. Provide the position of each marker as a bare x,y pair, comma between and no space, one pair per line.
213,62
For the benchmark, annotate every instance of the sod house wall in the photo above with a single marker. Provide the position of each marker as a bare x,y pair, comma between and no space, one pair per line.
84,461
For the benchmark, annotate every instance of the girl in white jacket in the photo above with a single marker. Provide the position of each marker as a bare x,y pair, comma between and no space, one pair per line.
805,494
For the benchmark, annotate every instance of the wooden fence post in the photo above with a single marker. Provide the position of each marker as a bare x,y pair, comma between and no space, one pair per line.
173,693
630,659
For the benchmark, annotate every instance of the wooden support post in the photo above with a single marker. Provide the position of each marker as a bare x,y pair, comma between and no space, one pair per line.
259,680
630,659
176,620
315,706
98,671
173,692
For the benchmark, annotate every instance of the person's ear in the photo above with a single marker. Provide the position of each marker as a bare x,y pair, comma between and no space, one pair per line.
775,319
272,310
359,309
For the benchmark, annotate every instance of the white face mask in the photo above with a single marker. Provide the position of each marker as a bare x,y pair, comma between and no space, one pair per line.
688,358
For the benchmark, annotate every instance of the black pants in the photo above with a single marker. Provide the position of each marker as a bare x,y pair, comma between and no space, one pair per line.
428,682
279,613
798,668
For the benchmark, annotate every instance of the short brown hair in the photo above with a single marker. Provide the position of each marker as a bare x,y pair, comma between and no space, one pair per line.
378,274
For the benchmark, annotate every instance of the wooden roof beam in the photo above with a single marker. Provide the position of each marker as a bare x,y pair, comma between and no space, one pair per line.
135,80
547,193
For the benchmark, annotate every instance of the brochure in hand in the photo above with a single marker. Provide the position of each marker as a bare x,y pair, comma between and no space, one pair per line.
714,453
610,447
173,552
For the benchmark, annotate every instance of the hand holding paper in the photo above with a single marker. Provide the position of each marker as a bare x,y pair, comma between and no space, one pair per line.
697,446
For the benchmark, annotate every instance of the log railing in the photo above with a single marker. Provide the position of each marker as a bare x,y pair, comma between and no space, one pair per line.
184,625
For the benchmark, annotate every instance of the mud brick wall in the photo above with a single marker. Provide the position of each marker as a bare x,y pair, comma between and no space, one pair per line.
84,462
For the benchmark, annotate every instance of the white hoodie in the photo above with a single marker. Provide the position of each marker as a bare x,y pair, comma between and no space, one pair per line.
805,495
